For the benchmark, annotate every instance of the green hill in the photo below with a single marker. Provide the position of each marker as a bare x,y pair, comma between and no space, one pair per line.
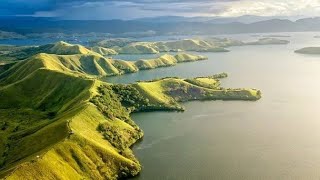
167,92
138,48
90,64
59,122
167,60
59,48
49,129
216,45
63,48
104,51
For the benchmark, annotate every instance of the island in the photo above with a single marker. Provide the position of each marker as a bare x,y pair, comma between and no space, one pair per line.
268,41
11,35
58,120
308,50
111,47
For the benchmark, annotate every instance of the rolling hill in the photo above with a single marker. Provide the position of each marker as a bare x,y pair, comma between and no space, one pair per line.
58,121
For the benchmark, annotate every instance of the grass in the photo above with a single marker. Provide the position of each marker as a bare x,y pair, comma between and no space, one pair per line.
210,45
81,65
138,48
68,143
104,51
167,60
170,91
207,80
58,122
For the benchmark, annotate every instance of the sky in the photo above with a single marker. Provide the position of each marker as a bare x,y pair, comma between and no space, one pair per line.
131,9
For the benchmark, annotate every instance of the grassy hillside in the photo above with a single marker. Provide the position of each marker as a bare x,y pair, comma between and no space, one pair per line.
167,60
104,51
172,46
138,48
188,44
63,48
49,130
76,59
59,48
59,122
94,65
168,92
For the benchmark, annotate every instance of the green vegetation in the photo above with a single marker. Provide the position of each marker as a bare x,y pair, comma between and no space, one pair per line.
59,48
138,48
268,41
24,52
76,59
210,45
111,43
169,91
308,50
104,51
167,60
59,122
130,97
49,129
124,66
5,66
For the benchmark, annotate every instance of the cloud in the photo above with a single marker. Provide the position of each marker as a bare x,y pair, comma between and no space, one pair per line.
129,9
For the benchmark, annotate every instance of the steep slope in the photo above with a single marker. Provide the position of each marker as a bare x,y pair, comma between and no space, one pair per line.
59,48
138,48
167,92
63,48
90,64
49,130
104,51
167,60
59,122
188,44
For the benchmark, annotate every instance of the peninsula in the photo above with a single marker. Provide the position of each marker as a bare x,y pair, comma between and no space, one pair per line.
60,121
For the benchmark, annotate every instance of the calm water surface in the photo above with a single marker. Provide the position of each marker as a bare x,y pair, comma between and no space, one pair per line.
277,137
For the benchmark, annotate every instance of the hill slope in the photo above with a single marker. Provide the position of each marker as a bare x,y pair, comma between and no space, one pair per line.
53,131
58,122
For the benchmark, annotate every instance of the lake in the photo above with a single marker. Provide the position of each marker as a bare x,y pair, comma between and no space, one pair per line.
277,137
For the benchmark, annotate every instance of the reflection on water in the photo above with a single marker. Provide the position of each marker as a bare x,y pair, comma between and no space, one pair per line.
277,137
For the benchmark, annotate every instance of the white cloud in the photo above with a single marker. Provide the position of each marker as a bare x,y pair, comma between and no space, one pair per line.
128,9
273,8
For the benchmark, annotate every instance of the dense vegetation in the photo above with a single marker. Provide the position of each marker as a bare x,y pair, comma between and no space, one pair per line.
130,97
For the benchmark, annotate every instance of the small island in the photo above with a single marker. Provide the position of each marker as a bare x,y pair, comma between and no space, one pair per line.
308,50
268,41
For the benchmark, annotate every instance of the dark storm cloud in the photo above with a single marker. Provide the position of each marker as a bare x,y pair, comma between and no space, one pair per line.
21,7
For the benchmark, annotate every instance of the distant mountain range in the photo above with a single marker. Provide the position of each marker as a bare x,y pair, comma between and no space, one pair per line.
170,25
246,19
